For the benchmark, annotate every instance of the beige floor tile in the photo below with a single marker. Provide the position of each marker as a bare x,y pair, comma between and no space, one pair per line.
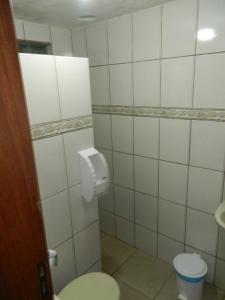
144,273
128,293
114,254
169,292
212,293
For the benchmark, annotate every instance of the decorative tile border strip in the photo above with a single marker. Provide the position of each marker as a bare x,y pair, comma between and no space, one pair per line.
45,130
163,112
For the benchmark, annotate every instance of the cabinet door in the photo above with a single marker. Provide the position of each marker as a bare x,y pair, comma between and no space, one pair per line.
24,265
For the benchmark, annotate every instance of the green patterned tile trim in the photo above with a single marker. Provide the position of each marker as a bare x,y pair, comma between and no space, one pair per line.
45,130
163,112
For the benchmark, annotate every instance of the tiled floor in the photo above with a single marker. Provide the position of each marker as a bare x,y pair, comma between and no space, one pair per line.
143,277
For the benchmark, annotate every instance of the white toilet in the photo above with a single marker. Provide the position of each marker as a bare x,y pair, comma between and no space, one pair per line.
91,286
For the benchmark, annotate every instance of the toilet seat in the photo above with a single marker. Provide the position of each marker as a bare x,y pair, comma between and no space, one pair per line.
92,286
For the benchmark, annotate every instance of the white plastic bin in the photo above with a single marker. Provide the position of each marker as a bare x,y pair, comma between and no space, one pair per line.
190,270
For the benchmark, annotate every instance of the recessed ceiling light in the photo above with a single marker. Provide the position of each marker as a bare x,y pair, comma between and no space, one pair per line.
206,34
87,18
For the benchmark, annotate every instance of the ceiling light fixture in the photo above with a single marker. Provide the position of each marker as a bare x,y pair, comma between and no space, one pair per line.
87,18
206,34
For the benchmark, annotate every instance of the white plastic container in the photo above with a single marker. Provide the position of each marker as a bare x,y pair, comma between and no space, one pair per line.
190,270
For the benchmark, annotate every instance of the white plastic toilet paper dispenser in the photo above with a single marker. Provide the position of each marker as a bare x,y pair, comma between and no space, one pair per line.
94,174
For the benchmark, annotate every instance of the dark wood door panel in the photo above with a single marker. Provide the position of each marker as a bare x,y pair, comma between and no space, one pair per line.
22,239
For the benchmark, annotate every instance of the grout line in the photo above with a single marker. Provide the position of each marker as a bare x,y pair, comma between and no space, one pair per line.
86,227
125,261
195,51
111,135
133,136
163,285
187,187
71,40
92,265
162,58
63,242
69,200
162,160
61,191
159,134
86,43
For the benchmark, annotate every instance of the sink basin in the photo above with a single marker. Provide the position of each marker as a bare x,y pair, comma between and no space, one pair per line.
220,215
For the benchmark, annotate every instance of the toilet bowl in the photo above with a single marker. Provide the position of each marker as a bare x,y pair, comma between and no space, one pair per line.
91,286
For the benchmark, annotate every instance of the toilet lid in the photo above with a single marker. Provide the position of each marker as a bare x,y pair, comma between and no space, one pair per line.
92,286
190,265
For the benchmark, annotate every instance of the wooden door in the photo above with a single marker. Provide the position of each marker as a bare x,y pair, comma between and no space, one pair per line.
24,269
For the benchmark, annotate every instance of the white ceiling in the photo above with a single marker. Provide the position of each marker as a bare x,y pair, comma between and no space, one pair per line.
66,12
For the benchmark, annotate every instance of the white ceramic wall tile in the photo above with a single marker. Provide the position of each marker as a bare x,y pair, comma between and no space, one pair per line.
146,175
122,133
146,240
177,82
201,231
74,86
97,44
40,83
146,211
220,271
107,222
79,42
124,203
121,84
120,39
209,81
74,142
106,202
205,189
19,29
209,259
123,169
37,32
56,213
211,25
102,131
65,271
168,249
147,83
61,41
147,34
173,181
172,220
83,213
100,85
179,28
108,156
146,137
87,248
174,140
208,145
221,244
50,165
125,230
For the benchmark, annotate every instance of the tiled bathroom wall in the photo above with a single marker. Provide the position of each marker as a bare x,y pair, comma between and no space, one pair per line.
58,98
158,91
59,37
